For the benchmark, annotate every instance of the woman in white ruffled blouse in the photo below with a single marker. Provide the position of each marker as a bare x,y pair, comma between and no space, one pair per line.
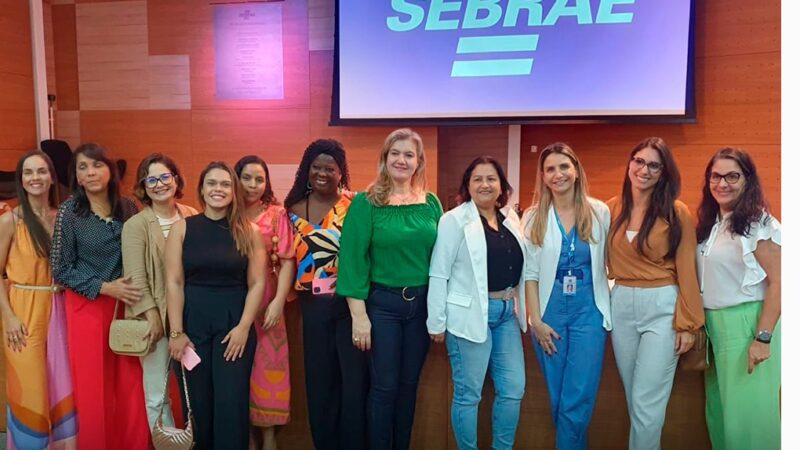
739,268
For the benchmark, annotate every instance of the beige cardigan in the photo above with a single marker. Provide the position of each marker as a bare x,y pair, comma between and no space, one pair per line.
143,259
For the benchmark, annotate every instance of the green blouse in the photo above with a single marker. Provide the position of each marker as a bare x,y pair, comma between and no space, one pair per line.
389,245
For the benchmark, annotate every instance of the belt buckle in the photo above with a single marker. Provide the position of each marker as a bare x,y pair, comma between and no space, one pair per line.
403,294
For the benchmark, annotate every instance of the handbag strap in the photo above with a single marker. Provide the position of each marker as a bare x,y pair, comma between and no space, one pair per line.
166,394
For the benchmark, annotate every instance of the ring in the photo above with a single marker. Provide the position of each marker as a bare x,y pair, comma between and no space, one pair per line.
355,339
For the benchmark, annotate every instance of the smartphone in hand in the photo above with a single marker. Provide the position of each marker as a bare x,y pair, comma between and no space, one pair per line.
322,286
189,358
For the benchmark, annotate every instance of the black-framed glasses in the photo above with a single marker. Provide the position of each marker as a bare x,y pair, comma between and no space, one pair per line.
165,179
730,177
652,166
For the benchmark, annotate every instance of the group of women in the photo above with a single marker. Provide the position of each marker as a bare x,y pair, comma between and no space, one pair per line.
379,276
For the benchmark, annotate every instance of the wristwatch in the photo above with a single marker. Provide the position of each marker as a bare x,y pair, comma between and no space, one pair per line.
173,334
764,336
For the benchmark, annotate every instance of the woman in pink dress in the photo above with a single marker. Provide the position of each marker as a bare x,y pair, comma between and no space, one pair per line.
269,381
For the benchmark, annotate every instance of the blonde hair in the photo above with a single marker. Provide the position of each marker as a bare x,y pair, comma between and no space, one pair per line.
543,199
241,229
380,189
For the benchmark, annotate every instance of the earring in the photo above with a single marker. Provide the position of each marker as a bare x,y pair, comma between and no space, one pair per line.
308,186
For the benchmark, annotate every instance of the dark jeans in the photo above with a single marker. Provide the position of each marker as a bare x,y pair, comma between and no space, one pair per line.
336,374
400,343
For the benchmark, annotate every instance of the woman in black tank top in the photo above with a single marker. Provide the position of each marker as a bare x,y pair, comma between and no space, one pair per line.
215,280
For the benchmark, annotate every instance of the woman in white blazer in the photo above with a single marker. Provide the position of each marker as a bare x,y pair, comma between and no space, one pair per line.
567,289
474,302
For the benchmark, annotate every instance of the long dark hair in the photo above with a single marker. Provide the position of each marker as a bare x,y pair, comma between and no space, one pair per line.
139,189
330,147
662,199
98,153
505,186
750,206
39,235
268,197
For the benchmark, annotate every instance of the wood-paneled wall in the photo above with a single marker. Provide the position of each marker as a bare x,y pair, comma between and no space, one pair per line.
17,112
738,102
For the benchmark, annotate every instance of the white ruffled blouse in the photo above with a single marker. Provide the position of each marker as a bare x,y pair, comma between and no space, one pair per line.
727,268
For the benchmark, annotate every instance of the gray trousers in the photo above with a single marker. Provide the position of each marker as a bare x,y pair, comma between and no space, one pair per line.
644,348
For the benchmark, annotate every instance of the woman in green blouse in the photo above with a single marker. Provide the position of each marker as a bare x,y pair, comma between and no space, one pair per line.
385,250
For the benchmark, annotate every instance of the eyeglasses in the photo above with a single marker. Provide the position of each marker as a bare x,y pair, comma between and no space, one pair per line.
652,166
165,179
730,177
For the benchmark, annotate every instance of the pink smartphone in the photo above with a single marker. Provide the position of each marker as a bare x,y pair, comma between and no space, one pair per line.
189,358
322,286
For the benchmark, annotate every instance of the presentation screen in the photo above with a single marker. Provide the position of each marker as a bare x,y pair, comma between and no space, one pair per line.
512,60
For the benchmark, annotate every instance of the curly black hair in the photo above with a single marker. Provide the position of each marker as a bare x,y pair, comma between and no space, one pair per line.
330,147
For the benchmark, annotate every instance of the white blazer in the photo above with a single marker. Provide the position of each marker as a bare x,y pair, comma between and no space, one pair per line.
542,261
458,290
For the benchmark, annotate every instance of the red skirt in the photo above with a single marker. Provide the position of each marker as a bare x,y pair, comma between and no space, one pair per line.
109,397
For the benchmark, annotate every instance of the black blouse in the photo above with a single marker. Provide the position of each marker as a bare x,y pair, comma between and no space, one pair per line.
87,251
503,256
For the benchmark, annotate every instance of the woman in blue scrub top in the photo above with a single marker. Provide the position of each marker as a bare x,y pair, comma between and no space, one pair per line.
567,290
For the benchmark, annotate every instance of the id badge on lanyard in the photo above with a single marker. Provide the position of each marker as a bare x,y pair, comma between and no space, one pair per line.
570,281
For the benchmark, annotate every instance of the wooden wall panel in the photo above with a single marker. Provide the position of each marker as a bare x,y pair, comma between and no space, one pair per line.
17,114
169,82
115,69
737,28
65,47
131,135
112,55
68,127
321,24
49,50
459,146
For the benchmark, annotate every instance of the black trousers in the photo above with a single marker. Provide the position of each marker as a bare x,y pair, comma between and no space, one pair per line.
219,390
336,373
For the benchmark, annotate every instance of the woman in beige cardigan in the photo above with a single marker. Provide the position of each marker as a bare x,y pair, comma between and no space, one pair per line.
159,185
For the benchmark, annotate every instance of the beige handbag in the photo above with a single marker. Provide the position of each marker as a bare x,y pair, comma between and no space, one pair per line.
171,438
129,337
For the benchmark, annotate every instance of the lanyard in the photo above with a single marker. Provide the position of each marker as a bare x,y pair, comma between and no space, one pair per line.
571,253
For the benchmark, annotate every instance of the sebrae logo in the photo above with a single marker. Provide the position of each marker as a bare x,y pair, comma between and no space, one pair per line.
506,55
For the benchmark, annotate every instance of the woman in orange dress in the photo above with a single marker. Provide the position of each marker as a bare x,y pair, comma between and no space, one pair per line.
40,406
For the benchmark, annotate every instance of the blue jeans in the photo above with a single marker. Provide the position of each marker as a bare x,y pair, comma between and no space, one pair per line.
400,344
502,354
572,374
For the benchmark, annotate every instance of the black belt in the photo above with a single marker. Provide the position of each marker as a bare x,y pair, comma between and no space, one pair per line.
407,293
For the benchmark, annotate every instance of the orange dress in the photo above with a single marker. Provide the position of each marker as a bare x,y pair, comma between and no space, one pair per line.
41,408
